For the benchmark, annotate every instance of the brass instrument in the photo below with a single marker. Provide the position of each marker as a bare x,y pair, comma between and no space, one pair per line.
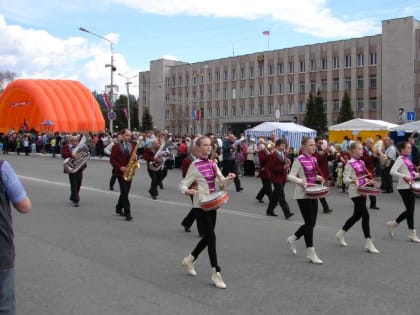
73,165
132,165
158,165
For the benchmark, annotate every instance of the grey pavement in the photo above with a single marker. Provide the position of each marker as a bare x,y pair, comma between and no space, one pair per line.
87,261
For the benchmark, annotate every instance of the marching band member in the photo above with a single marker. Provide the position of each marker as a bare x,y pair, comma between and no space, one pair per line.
155,162
263,154
205,173
75,178
322,155
119,159
405,170
371,160
304,173
277,167
356,174
229,149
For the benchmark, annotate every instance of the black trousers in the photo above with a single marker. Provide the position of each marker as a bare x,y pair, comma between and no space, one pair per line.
309,210
155,176
324,204
123,201
360,212
265,189
207,222
189,220
249,168
409,200
75,183
229,166
112,180
387,179
278,196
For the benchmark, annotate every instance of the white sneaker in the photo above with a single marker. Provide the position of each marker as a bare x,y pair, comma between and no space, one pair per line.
370,247
217,280
188,262
340,237
413,236
291,240
392,225
312,256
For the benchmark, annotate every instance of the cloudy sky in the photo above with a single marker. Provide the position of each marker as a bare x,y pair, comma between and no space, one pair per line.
41,39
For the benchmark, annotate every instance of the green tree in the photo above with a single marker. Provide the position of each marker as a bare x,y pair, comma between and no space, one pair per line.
146,121
315,115
346,112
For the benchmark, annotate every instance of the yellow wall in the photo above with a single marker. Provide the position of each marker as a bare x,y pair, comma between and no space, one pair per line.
338,135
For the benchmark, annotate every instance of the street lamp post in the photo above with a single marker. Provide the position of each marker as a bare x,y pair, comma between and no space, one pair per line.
127,84
111,91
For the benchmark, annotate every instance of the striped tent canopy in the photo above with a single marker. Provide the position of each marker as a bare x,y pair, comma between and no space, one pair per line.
291,131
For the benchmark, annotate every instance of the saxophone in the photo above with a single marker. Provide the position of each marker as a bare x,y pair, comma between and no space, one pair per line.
73,165
132,165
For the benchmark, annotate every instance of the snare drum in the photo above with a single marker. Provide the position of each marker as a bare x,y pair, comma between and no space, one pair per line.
214,201
368,190
415,187
316,191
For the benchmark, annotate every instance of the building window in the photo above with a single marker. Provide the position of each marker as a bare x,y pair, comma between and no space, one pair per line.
194,95
312,65
225,94
336,85
179,81
233,110
225,111
347,83
281,89
210,112
270,109
372,59
217,94
261,70
209,95
251,109
242,92
251,72
360,82
194,80
291,88
347,61
201,78
242,109
233,93
251,91
261,109
225,75
261,90
324,106
270,70
372,80
313,87
217,111
336,106
302,107
201,95
270,89
359,105
302,87
291,67
242,73
336,62
324,85
290,109
360,59
280,68
217,76
373,106
209,77
324,64
301,66
233,74
167,114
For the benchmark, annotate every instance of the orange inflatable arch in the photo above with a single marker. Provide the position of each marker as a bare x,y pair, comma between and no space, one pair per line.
63,105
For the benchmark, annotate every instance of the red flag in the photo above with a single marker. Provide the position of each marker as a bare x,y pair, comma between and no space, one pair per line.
197,114
107,102
266,33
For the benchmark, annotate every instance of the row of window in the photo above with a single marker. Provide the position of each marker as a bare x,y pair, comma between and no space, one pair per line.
272,69
268,110
250,91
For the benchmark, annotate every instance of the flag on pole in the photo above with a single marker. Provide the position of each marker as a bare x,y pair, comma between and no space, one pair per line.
107,102
125,110
197,114
193,115
266,33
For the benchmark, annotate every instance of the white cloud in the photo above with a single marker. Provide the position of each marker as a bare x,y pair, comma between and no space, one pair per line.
307,16
32,53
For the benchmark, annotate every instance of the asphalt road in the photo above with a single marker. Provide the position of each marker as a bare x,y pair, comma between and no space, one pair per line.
88,261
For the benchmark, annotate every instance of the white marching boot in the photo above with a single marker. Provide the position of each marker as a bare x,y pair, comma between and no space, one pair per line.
370,247
217,280
188,262
412,235
311,255
340,237
291,240
391,225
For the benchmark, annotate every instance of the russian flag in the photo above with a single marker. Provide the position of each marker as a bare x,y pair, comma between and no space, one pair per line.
107,102
194,117
266,33
197,114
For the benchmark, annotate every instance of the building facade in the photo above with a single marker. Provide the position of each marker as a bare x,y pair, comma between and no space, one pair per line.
381,74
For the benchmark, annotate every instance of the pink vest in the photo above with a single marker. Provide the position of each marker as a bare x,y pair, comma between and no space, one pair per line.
309,164
410,166
207,168
360,170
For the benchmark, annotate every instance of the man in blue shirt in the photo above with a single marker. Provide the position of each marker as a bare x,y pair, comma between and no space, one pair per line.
11,192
